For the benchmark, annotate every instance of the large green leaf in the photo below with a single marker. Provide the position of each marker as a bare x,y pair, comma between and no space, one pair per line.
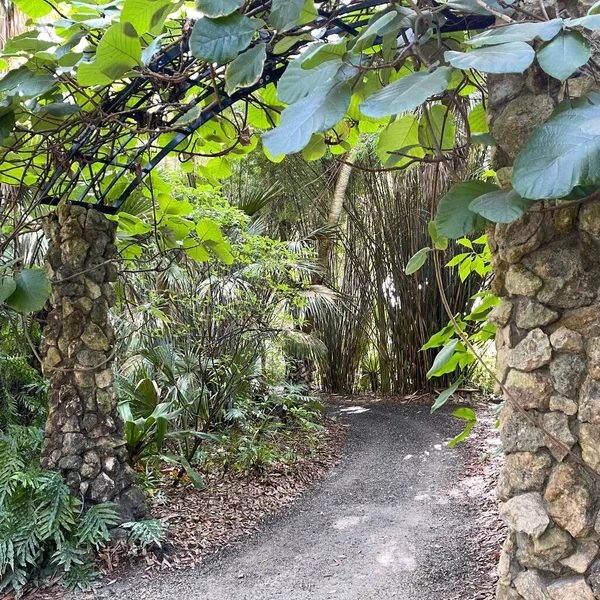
454,219
34,8
478,120
442,126
26,83
31,292
561,57
400,136
221,40
591,22
218,8
406,93
285,14
519,32
443,357
514,57
317,112
384,23
7,287
247,68
147,16
417,260
502,206
118,51
325,53
296,83
559,155
445,396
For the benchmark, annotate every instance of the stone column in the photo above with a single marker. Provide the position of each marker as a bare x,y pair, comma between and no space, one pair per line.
547,270
84,434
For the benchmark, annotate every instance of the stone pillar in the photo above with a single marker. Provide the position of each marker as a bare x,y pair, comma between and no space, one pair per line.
547,270
84,434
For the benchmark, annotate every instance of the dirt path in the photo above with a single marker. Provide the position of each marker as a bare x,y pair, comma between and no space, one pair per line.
390,521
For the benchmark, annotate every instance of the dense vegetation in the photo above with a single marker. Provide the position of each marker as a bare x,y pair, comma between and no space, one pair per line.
245,280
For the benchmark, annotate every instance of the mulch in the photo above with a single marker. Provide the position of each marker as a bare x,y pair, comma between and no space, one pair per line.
478,485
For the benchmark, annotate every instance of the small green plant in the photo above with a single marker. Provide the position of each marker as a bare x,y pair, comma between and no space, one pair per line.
44,532
147,533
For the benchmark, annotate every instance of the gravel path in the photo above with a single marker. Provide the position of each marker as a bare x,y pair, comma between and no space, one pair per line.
390,521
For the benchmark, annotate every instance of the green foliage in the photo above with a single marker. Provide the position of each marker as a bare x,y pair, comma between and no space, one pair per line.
43,533
147,533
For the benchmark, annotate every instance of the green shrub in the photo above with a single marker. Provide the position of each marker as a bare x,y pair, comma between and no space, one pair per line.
44,533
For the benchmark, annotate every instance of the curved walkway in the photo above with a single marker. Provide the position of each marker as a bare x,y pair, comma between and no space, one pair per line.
389,522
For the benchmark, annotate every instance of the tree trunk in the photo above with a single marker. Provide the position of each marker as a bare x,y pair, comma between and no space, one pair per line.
547,270
84,434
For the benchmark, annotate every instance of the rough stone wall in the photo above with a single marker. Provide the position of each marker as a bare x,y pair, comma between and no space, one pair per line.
84,434
547,270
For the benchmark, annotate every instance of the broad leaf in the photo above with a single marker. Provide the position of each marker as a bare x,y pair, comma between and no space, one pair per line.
417,261
591,22
519,32
478,120
440,242
502,206
218,8
221,40
400,136
442,126
247,68
118,51
34,8
7,287
316,148
454,219
325,53
514,57
284,44
31,291
445,396
296,83
564,55
559,155
26,83
317,112
406,93
443,358
147,16
285,14
384,23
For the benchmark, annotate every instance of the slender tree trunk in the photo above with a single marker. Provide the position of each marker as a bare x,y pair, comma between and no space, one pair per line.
547,270
84,434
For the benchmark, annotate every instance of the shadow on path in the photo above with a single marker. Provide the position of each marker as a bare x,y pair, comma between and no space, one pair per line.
387,522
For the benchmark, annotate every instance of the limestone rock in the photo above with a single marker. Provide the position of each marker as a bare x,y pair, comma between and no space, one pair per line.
94,338
531,586
518,120
589,440
517,239
101,488
526,514
518,433
524,472
570,499
574,588
530,390
557,425
567,340
544,552
585,320
567,372
531,314
503,88
532,353
104,379
521,282
566,405
593,352
566,266
505,592
583,557
589,402
506,564
589,218
594,577
73,325
500,314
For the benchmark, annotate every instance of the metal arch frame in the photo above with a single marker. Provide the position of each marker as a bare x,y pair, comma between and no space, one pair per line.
274,68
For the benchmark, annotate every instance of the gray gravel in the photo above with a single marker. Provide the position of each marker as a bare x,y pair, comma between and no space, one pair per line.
390,521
